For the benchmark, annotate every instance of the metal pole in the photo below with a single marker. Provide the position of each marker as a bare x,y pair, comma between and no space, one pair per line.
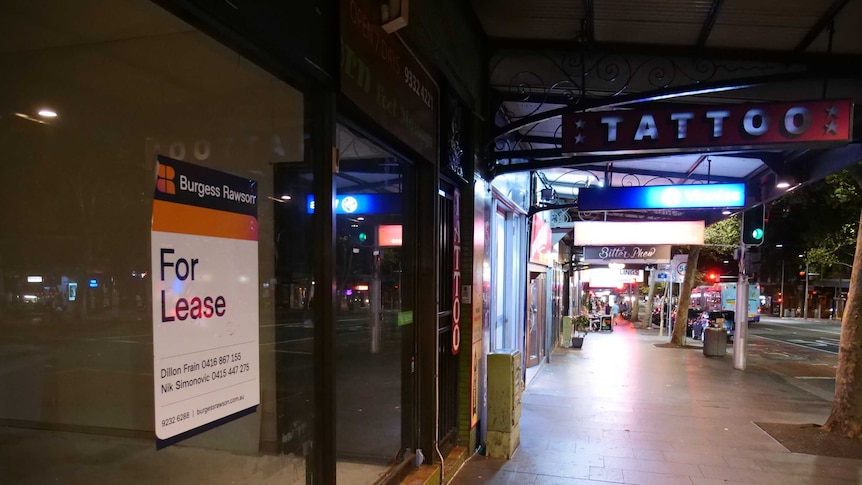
781,307
741,318
664,299
805,305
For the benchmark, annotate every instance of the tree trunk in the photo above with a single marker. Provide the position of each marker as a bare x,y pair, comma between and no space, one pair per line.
681,322
846,417
650,300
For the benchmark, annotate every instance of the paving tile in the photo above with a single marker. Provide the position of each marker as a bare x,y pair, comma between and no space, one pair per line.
787,457
647,478
552,480
648,454
694,457
662,467
736,461
853,474
476,477
606,474
762,477
555,468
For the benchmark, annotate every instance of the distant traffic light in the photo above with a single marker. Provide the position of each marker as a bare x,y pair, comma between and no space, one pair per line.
713,277
363,237
753,225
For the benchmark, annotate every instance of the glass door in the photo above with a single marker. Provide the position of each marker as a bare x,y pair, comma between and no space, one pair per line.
374,267
535,319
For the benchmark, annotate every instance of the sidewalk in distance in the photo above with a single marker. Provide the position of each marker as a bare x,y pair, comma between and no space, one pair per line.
622,410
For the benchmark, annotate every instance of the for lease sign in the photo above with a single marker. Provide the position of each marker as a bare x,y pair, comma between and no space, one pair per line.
205,297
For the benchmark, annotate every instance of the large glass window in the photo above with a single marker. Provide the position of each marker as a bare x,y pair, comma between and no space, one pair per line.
92,92
507,296
375,267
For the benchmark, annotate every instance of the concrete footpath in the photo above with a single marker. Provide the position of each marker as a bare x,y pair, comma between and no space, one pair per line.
621,410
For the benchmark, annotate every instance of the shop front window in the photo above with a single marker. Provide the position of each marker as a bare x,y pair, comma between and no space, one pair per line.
91,97
375,268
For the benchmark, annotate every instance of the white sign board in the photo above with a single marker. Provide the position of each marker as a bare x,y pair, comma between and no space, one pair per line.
678,267
610,278
205,297
601,233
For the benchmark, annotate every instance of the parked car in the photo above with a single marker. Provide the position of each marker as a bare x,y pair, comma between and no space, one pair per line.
716,318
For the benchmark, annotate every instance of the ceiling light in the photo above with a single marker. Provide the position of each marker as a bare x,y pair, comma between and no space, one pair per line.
285,197
47,113
726,212
29,118
783,182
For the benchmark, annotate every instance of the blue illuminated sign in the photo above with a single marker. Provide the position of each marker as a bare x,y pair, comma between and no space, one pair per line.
695,196
362,204
94,284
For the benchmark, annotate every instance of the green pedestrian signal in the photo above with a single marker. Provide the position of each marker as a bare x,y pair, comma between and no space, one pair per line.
363,237
753,221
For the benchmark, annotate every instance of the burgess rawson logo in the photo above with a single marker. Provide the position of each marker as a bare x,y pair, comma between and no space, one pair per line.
627,254
179,179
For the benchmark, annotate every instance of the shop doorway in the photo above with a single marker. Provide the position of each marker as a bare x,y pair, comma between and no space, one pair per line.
536,310
507,300
375,260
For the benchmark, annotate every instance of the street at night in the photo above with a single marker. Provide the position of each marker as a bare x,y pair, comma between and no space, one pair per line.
820,335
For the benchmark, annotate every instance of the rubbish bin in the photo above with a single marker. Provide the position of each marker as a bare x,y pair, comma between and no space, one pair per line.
714,342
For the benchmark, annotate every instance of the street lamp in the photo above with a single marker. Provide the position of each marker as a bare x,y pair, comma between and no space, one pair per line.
807,277
805,305
781,302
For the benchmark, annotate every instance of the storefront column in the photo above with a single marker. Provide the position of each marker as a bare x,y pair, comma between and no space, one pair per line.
427,323
320,118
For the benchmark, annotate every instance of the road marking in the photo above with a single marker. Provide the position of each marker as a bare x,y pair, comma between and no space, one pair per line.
792,343
788,325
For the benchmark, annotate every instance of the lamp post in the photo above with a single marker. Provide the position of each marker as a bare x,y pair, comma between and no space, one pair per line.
781,303
805,304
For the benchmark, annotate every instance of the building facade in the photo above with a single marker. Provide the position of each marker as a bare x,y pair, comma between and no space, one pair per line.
359,359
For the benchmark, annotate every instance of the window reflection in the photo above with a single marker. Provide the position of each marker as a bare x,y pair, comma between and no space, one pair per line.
374,328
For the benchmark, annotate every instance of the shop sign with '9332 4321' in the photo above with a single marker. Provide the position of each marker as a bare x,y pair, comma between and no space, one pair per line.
386,80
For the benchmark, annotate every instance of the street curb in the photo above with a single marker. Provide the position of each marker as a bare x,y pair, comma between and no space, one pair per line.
819,393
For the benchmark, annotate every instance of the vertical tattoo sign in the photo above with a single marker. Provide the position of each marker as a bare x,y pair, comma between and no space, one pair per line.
456,273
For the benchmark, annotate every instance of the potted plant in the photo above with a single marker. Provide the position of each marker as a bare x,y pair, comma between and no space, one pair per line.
582,322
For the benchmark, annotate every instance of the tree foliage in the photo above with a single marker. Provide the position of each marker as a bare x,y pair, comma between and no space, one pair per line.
821,220
721,238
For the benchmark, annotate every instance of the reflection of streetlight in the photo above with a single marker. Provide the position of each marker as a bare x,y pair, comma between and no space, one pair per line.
807,276
781,302
805,304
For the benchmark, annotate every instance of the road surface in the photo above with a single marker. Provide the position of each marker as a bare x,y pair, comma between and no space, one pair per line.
813,334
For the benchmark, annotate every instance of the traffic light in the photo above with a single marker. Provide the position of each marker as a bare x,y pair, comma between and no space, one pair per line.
753,225
713,277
